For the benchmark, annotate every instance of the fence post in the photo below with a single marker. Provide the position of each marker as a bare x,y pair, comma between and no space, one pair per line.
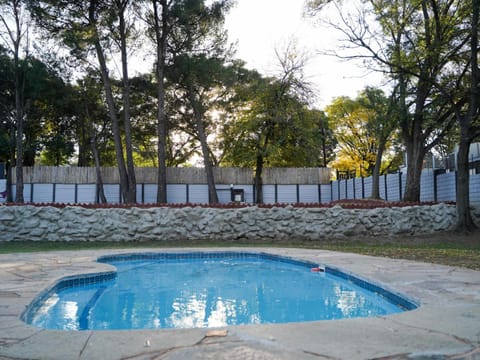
76,193
319,188
298,193
363,187
31,192
456,181
276,194
386,188
400,196
54,191
187,193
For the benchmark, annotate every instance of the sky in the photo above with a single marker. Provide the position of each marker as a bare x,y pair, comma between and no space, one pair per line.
260,26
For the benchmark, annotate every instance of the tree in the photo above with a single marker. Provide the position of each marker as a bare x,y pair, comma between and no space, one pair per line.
415,45
198,77
363,128
326,137
159,24
7,107
91,127
86,28
123,30
469,122
12,19
355,138
199,52
49,114
273,124
382,121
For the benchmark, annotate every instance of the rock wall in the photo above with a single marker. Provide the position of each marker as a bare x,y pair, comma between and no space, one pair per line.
73,223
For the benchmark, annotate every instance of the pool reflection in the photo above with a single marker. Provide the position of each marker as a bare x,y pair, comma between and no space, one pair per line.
158,294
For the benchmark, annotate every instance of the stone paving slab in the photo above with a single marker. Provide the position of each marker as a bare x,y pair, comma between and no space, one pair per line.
446,325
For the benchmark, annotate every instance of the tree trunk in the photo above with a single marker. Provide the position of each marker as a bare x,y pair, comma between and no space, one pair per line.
411,128
115,126
259,165
324,149
198,114
100,196
82,143
100,193
161,39
258,180
376,170
464,218
19,153
131,193
467,133
111,110
18,111
212,191
9,198
415,155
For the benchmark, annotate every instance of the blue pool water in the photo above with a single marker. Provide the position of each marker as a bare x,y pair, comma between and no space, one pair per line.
152,291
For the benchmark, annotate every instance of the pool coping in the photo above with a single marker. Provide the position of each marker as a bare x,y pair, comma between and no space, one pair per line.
445,323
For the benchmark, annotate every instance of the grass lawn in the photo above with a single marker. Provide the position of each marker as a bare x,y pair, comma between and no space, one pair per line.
444,248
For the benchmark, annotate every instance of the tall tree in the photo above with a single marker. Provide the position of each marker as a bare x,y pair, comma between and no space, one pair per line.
160,16
325,136
14,34
91,126
416,44
49,115
123,30
468,117
363,128
356,140
7,121
274,125
199,52
382,121
289,90
86,28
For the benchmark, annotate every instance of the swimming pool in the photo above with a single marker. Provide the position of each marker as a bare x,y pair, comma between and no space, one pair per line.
208,289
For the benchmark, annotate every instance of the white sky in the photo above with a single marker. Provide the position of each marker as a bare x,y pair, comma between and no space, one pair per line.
260,26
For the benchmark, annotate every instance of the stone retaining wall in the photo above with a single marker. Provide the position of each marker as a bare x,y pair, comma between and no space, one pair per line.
18,223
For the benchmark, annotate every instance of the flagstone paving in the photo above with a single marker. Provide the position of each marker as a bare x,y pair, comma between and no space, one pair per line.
445,326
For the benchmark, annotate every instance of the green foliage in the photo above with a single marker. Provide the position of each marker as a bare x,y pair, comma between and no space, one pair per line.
200,74
47,111
360,125
273,122
48,114
7,105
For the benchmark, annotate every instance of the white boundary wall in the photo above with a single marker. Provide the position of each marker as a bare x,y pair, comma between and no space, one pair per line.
440,187
434,187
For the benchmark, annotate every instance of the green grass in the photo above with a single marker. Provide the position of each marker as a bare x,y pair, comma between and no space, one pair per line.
454,250
446,255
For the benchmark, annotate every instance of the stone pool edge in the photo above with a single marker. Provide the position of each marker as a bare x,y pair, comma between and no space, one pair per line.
426,329
396,298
